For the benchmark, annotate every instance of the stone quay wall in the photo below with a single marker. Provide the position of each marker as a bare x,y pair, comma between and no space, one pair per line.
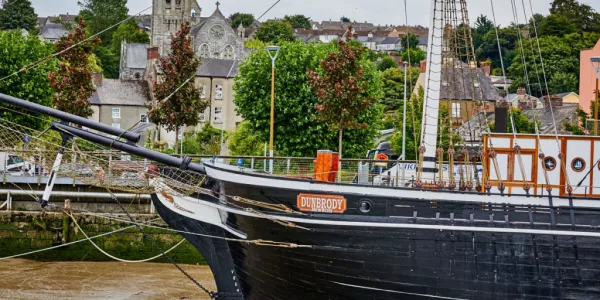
22,232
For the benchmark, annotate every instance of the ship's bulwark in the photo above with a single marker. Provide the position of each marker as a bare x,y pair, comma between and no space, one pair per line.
378,263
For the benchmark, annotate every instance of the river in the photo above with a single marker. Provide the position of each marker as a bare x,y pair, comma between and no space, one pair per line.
33,280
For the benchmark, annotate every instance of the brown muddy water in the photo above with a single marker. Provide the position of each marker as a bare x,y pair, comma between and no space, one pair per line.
33,280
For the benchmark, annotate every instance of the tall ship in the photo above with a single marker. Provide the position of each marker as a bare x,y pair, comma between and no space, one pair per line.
519,220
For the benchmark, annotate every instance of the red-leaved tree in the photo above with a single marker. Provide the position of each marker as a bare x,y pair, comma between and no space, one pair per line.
72,82
340,88
178,100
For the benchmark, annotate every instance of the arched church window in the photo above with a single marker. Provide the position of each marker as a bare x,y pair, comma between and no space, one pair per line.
193,12
204,51
228,53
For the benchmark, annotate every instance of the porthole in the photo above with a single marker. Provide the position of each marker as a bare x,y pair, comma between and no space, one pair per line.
365,206
549,163
578,164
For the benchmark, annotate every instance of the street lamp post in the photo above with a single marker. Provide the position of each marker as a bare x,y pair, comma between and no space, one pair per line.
273,53
404,121
596,64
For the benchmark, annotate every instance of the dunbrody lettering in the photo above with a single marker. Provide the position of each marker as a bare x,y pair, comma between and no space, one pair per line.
321,203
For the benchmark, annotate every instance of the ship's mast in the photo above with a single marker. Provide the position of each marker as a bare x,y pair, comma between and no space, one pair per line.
431,103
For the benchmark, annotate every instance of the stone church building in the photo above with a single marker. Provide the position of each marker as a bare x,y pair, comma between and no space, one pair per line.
216,43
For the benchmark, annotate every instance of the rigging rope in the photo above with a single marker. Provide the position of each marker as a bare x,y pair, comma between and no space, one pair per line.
517,148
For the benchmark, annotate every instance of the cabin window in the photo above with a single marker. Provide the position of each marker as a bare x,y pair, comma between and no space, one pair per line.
456,110
549,163
144,118
116,113
578,164
219,92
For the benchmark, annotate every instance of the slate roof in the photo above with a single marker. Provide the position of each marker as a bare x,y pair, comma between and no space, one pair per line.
53,31
561,114
124,93
136,56
460,87
41,21
67,17
222,68
390,41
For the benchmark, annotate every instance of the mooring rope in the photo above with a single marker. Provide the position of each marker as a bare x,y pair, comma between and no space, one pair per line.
114,257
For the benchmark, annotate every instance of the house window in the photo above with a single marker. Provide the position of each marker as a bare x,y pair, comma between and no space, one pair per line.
144,118
204,51
116,113
202,116
137,76
203,92
219,92
218,115
193,12
456,110
228,52
116,125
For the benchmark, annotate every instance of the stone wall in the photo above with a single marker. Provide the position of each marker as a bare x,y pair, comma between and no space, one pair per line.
22,232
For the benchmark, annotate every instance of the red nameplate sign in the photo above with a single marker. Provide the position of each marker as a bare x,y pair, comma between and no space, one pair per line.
330,204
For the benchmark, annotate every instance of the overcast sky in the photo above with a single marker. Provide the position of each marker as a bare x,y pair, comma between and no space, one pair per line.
375,11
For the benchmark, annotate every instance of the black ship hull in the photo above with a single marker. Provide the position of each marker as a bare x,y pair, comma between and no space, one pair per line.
402,248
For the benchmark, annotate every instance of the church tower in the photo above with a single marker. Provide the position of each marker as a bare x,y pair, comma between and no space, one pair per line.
167,17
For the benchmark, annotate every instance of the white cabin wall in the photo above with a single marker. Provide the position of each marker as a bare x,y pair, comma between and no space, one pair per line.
596,172
582,149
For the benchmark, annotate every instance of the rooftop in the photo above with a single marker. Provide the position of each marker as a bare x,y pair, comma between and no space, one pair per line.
458,85
222,68
125,93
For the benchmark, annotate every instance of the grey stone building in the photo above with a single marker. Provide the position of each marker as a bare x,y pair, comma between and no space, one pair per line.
167,17
134,61
214,38
120,104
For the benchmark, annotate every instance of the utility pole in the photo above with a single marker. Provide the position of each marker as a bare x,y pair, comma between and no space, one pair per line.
596,64
404,121
273,53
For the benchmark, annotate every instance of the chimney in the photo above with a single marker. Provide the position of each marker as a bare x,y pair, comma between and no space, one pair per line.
486,67
555,101
152,53
423,66
97,79
521,92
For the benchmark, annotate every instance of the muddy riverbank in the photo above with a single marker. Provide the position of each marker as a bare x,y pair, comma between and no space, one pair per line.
27,279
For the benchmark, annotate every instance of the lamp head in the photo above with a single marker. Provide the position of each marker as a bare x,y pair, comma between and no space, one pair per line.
596,63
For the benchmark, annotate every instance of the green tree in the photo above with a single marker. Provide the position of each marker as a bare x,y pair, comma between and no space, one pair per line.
177,108
297,131
298,21
18,14
19,51
102,14
342,92
482,26
245,142
241,18
415,56
345,19
393,87
387,62
72,82
583,16
108,61
508,39
204,142
411,40
128,31
563,83
556,25
275,32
